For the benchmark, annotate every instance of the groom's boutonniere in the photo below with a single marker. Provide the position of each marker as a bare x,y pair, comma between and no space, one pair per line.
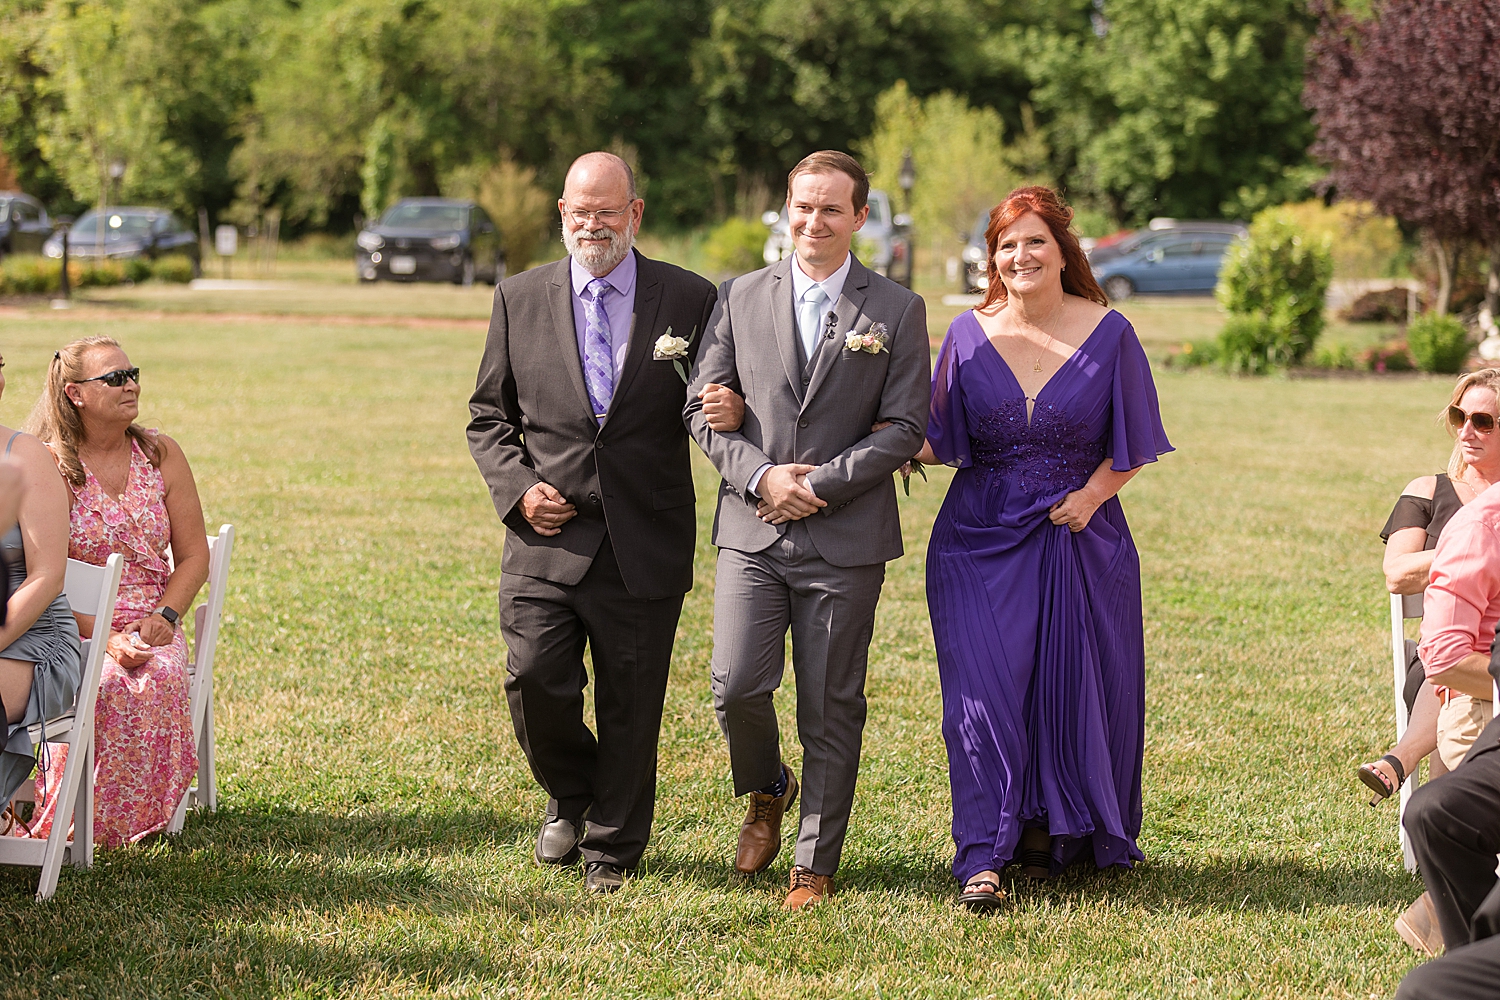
872,341
674,349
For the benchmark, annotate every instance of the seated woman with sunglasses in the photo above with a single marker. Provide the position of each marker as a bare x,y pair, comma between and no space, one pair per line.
1438,719
133,493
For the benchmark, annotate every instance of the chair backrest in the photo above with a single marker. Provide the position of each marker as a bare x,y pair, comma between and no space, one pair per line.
206,619
1411,605
92,590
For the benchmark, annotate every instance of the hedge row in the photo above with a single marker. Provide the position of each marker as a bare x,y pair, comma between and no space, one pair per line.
20,275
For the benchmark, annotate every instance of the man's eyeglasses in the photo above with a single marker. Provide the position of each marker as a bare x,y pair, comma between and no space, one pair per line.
608,217
1483,422
119,377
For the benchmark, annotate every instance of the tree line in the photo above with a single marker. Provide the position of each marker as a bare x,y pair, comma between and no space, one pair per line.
322,110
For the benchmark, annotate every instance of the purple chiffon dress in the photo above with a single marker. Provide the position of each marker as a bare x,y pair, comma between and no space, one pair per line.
1038,630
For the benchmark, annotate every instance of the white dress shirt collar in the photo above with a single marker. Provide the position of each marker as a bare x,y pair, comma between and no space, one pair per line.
833,285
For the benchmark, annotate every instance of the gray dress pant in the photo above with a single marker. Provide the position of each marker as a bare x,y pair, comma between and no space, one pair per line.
831,613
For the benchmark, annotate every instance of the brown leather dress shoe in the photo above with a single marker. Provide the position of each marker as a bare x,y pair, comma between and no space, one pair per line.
808,889
760,834
1418,927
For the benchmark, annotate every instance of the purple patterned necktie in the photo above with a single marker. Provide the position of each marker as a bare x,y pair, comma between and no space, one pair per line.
598,362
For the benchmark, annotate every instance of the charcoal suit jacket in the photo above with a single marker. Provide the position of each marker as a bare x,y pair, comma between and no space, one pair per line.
629,474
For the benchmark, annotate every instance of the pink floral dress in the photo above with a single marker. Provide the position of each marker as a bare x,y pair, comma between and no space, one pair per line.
144,754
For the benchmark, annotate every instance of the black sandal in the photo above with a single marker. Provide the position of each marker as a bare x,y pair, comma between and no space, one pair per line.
1378,782
977,899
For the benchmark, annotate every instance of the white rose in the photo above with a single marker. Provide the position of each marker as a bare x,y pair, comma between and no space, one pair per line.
668,346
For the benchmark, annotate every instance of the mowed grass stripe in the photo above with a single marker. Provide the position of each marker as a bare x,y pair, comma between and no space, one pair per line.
374,837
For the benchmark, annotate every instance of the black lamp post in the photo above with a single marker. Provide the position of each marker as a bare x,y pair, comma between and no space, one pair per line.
64,288
906,179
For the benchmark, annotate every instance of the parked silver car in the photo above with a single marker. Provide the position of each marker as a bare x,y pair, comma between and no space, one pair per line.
883,245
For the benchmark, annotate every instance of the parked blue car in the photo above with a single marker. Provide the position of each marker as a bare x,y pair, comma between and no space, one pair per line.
1176,257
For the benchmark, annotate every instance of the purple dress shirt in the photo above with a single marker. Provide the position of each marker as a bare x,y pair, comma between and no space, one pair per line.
619,308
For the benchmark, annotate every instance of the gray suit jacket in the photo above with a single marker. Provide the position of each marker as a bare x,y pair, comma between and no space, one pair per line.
821,416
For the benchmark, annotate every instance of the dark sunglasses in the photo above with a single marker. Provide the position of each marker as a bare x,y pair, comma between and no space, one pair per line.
120,376
1483,422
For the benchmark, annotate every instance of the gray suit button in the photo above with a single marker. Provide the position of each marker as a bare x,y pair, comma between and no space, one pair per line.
806,380
802,423
593,498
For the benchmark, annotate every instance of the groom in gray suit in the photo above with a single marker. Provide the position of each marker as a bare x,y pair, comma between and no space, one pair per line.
823,351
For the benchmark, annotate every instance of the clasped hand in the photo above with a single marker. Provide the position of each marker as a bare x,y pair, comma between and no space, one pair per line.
125,646
723,408
545,509
785,494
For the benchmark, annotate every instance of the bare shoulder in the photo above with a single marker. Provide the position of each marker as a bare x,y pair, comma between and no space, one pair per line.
1082,319
26,449
170,449
1423,487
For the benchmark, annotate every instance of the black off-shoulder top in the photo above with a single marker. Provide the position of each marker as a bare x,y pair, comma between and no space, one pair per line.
1433,515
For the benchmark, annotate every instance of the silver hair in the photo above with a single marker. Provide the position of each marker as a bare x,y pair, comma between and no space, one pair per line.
599,261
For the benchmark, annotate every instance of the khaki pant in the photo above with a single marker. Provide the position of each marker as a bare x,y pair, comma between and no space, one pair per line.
1459,721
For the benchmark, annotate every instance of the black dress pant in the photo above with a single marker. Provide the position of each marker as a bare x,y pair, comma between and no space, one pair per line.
609,781
1454,823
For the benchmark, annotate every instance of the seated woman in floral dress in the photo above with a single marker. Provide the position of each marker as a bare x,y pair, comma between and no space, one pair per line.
133,493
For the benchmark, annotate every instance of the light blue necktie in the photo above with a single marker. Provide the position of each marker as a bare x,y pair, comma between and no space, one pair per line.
598,362
809,318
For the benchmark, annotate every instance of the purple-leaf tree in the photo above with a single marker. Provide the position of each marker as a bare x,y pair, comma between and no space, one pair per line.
1407,104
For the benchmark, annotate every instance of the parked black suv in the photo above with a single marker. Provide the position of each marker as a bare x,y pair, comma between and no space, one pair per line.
431,239
24,225
118,233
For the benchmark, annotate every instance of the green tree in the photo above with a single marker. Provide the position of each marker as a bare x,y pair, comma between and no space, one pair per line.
963,165
104,115
1185,108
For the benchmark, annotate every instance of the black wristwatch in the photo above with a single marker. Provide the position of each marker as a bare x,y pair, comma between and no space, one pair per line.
171,616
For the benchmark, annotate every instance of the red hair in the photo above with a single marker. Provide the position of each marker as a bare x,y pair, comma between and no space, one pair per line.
1077,276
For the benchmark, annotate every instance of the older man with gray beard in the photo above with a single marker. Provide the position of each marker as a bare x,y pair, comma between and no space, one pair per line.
577,429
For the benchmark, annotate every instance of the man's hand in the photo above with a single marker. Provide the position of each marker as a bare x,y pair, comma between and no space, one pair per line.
723,408
545,509
785,495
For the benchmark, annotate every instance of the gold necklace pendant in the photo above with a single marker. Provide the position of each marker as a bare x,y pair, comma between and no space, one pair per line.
1038,366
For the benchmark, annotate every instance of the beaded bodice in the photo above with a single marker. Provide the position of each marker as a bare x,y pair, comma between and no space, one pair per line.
1051,454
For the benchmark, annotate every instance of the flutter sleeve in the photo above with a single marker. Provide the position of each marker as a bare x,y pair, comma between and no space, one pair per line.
1136,435
947,427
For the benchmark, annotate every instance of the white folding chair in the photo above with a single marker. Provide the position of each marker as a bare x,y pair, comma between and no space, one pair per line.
91,590
1403,607
204,795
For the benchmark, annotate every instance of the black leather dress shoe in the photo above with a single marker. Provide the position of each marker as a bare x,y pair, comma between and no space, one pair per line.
557,842
603,877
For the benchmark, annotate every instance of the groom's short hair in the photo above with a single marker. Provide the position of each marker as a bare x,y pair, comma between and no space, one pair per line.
826,161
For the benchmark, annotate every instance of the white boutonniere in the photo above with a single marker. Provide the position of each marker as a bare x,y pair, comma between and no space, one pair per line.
872,341
674,349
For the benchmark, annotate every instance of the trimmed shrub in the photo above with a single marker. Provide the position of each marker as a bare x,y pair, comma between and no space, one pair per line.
29,275
175,267
95,274
1278,277
1248,345
136,268
1393,357
1388,306
1438,343
1337,357
734,246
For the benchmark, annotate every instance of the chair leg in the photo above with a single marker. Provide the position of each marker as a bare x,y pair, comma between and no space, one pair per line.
208,792
63,817
83,816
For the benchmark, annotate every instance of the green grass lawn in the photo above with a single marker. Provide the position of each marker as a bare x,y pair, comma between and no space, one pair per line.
375,831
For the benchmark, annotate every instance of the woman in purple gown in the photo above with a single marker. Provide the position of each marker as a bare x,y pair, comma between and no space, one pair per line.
1043,400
